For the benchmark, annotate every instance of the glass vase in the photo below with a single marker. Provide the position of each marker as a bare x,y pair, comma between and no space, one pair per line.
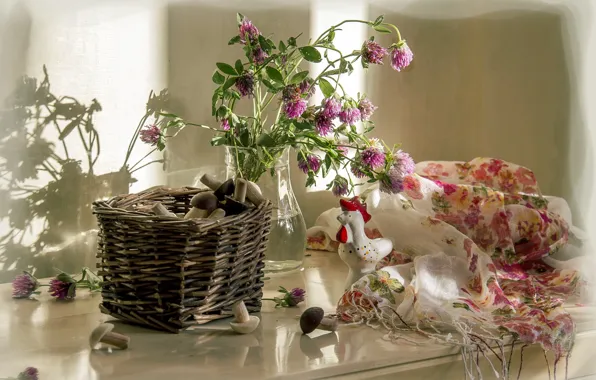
270,170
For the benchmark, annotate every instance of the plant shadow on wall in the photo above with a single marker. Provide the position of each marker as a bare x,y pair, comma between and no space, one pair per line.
46,191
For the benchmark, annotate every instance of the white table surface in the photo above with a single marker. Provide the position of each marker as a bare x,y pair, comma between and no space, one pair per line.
53,336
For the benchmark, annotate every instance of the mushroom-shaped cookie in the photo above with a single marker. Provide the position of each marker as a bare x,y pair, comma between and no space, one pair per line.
202,204
253,194
104,334
210,181
218,213
314,318
225,189
244,323
161,210
236,204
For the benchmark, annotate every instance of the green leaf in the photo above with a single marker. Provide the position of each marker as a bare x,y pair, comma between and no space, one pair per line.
226,69
71,291
274,74
327,161
343,64
265,140
292,41
65,277
222,111
310,54
331,35
229,83
264,44
326,88
270,86
302,125
235,119
324,171
217,78
170,115
299,77
234,94
310,181
282,46
379,20
244,138
239,67
214,100
239,18
218,140
381,29
271,44
334,72
234,40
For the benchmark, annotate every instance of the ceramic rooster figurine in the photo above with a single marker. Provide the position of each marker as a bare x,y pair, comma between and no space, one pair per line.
360,253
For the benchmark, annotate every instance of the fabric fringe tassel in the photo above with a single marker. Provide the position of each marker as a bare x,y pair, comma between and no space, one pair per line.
472,342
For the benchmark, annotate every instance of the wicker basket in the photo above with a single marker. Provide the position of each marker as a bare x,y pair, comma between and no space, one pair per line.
171,273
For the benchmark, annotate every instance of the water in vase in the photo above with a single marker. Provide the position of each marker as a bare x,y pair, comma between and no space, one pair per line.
287,240
286,243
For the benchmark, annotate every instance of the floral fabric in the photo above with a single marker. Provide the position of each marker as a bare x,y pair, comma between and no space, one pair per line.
469,243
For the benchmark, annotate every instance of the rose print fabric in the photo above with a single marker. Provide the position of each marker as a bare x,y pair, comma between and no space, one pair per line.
470,241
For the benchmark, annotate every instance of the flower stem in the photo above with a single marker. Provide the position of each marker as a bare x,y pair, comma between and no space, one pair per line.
338,25
396,30
145,156
135,136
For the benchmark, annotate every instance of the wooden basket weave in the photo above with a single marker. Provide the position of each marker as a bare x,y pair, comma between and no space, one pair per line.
171,273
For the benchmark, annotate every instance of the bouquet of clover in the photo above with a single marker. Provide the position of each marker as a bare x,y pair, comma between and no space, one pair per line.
327,136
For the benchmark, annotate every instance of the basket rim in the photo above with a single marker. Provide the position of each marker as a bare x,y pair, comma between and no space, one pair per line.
119,206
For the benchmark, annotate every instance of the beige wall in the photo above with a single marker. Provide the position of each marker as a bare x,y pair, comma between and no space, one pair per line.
497,79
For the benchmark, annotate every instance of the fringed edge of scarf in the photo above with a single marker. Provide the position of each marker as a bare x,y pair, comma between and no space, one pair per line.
472,342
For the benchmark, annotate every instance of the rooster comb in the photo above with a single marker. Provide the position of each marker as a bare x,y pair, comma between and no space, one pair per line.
354,204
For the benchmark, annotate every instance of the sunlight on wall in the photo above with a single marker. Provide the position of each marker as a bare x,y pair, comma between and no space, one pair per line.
325,13
114,52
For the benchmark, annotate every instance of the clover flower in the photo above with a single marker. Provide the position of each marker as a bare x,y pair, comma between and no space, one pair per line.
150,134
259,56
24,285
311,162
331,108
404,163
372,52
248,32
366,108
62,290
307,88
225,125
394,183
356,170
245,83
294,109
290,299
401,56
350,115
372,157
30,373
340,186
323,125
